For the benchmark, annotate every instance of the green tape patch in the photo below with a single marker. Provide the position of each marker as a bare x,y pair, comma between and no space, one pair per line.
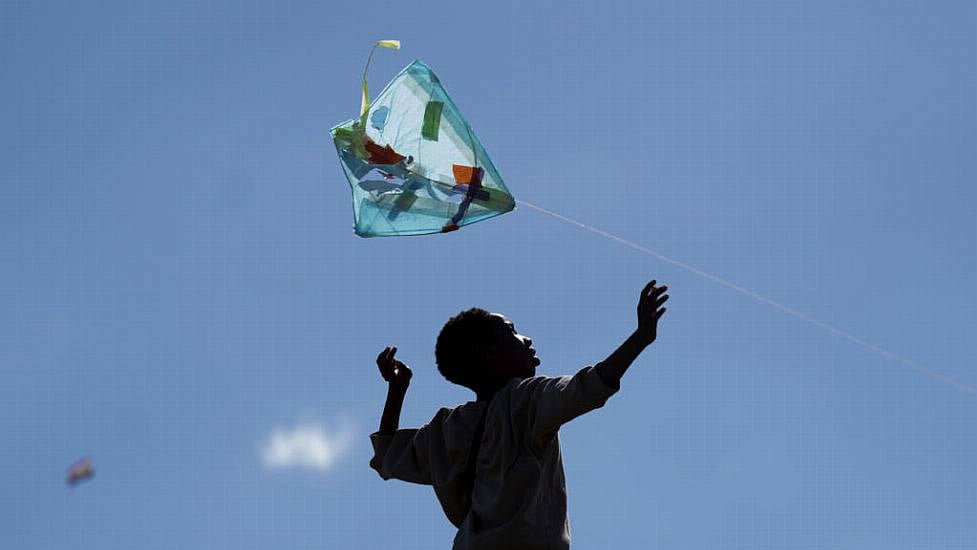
405,201
432,120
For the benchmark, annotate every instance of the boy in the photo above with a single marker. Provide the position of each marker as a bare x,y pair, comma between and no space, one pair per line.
495,463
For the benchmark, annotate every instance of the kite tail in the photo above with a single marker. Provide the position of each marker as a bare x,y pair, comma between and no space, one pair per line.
365,98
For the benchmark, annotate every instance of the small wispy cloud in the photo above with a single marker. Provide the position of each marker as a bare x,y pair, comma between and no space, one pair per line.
307,445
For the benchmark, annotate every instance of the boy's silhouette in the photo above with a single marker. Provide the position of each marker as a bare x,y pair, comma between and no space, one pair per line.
495,462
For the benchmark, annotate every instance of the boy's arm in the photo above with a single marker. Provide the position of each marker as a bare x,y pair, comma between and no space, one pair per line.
390,419
400,454
649,312
398,377
557,401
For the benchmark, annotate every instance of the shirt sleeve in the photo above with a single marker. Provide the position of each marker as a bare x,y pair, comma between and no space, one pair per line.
556,401
402,455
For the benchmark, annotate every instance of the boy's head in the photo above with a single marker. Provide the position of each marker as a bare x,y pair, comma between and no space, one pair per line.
478,349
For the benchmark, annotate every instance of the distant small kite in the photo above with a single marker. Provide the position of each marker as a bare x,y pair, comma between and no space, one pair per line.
413,163
82,470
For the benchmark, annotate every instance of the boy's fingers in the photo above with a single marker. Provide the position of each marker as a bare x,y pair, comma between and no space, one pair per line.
661,301
647,288
383,361
660,289
660,313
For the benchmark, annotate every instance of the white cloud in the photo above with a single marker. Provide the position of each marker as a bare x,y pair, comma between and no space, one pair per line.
307,445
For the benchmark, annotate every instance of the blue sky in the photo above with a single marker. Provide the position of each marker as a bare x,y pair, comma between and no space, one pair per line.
183,298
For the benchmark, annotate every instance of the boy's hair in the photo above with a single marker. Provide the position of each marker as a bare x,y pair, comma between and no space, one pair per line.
455,348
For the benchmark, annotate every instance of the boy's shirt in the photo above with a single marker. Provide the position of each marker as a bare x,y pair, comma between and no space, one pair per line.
519,499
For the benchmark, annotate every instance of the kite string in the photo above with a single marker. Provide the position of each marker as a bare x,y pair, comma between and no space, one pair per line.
785,309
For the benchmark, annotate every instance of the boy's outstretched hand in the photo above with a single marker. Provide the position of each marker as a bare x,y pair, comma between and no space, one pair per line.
650,311
392,370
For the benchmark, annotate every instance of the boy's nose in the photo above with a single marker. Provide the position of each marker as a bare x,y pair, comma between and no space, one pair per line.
529,341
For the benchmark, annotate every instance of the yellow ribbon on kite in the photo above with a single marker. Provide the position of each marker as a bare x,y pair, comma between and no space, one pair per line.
365,100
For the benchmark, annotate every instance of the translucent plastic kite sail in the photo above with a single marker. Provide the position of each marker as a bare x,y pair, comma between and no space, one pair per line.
414,164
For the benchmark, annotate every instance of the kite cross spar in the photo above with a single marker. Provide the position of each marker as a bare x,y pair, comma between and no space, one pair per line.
415,167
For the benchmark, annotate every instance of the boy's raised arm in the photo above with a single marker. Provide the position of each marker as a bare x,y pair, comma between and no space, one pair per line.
398,377
559,400
390,419
398,453
650,311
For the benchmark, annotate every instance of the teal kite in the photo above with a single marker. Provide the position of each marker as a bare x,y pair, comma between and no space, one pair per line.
413,163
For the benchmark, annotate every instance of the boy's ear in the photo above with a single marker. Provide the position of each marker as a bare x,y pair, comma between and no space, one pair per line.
486,353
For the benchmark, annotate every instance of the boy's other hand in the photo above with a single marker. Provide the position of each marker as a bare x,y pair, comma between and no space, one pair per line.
650,311
392,370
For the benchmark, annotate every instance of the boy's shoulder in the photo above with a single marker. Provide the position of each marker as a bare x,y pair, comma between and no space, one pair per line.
519,392
459,414
585,384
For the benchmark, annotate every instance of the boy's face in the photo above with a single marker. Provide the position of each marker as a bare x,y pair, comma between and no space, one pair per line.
513,353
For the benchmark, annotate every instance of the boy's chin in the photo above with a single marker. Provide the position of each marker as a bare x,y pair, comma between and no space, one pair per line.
529,371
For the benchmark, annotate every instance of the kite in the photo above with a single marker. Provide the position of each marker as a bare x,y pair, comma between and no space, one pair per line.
80,471
413,163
